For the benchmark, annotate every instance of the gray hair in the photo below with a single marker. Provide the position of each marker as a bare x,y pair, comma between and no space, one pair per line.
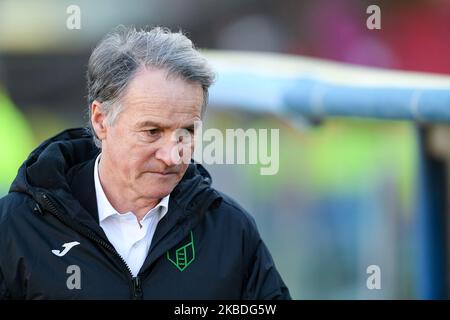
116,59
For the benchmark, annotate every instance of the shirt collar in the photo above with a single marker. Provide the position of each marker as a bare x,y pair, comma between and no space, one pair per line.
105,209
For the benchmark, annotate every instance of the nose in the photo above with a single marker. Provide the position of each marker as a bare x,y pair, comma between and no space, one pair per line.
169,153
176,148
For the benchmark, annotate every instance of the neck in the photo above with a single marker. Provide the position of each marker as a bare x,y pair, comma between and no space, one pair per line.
122,199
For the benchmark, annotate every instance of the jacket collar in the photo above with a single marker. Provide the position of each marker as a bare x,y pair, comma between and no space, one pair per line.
81,182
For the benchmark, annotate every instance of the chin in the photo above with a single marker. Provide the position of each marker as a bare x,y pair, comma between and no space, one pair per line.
158,187
158,190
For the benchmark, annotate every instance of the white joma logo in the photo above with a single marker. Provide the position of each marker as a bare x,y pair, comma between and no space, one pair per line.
67,246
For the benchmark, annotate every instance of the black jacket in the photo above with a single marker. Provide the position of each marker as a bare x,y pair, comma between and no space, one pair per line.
205,247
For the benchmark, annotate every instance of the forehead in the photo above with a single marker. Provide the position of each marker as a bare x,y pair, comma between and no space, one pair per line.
153,94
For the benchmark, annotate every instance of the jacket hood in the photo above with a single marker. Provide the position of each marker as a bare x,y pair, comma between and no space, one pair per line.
47,169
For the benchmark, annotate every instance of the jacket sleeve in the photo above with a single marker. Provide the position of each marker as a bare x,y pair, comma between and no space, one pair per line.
263,282
4,293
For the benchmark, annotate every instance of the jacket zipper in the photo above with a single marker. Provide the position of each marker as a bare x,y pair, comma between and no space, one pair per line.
135,281
137,289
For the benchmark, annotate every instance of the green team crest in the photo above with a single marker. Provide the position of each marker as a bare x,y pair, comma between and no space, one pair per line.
184,255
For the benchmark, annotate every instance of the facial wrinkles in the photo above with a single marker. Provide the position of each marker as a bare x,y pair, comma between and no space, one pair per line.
164,110
176,96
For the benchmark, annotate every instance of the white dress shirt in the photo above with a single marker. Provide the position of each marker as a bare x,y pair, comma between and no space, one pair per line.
130,240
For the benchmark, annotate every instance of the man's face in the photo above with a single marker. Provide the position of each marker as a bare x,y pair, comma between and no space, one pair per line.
140,147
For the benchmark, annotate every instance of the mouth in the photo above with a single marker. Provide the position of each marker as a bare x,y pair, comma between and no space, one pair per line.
162,174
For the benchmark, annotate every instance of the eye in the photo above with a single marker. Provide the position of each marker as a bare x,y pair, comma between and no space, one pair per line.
152,132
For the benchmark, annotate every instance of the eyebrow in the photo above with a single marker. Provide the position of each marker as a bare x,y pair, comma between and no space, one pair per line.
149,123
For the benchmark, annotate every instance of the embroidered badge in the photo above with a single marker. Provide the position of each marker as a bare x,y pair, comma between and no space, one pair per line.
183,256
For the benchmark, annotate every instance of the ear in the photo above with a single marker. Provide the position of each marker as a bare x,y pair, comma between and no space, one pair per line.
98,120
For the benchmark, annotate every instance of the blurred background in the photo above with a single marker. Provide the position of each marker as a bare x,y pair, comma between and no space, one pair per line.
351,192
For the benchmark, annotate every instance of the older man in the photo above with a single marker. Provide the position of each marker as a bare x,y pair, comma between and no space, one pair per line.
119,215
